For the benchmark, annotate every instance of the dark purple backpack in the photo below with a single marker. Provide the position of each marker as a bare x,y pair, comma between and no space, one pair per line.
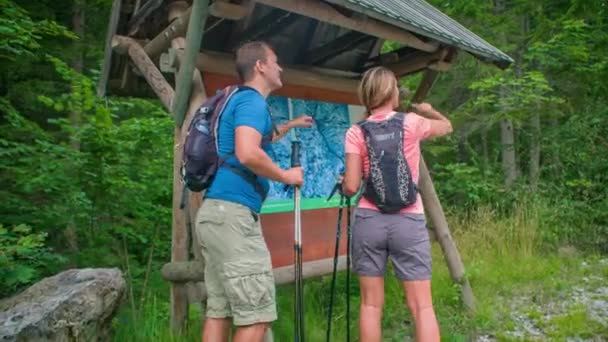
390,185
200,159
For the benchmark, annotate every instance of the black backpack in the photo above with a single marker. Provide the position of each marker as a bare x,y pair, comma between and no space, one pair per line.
200,158
389,185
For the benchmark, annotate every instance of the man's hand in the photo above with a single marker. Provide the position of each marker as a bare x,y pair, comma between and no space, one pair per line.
303,121
294,176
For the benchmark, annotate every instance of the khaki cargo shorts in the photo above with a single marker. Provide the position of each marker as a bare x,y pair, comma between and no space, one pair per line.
238,271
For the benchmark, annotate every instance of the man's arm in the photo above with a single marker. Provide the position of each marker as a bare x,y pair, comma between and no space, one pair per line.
303,121
250,154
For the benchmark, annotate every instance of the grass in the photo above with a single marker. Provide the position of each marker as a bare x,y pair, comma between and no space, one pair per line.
504,258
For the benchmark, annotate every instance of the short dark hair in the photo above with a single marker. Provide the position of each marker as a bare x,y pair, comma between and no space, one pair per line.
247,55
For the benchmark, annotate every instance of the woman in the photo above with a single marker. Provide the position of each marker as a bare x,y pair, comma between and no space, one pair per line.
400,234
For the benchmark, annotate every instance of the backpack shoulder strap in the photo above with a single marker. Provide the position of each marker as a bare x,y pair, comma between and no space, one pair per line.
400,116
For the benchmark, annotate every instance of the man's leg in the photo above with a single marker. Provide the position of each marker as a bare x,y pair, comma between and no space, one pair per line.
216,330
248,278
372,301
214,243
253,333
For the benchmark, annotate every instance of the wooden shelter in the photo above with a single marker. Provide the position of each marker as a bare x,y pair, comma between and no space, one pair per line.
182,51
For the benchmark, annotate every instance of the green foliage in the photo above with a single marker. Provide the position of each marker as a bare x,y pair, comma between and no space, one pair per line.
510,96
20,36
24,257
115,188
466,185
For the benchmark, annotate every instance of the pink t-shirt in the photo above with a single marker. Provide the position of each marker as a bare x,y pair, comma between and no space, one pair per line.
415,129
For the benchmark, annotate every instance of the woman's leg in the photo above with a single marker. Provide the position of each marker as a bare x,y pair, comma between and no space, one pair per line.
420,303
372,300
410,252
369,255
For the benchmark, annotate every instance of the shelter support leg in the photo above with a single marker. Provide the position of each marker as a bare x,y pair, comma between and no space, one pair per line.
435,212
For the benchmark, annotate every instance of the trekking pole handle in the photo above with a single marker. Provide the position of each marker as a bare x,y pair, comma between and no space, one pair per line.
295,154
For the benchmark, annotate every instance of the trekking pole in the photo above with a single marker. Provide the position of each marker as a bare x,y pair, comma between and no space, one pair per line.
348,239
333,277
299,290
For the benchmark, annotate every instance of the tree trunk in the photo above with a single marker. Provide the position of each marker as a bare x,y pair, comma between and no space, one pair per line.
507,139
485,155
507,136
534,167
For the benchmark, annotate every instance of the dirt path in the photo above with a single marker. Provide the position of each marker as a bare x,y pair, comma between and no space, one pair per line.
576,312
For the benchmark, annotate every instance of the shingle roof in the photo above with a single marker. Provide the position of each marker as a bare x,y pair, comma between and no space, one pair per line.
420,17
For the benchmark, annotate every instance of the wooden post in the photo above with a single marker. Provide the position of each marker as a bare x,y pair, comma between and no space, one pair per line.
162,41
142,61
435,213
107,58
179,241
194,36
199,95
179,231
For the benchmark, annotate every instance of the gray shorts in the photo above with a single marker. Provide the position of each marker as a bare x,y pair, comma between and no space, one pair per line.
401,237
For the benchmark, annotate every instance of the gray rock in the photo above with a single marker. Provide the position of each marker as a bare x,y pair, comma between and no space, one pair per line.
75,305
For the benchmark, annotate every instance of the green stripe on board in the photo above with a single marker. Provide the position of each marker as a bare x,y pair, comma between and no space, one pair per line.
285,205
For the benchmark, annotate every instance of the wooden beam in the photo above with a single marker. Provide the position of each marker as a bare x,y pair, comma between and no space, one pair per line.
414,64
440,66
155,79
162,41
177,28
324,12
428,79
215,81
107,54
335,47
193,271
224,64
434,210
183,84
310,269
183,271
226,10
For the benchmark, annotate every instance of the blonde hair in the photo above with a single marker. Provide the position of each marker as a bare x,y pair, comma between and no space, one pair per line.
378,87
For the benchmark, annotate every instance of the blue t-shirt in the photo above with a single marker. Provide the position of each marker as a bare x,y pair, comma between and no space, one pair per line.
246,108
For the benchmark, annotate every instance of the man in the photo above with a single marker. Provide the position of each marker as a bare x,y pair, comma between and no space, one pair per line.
238,271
